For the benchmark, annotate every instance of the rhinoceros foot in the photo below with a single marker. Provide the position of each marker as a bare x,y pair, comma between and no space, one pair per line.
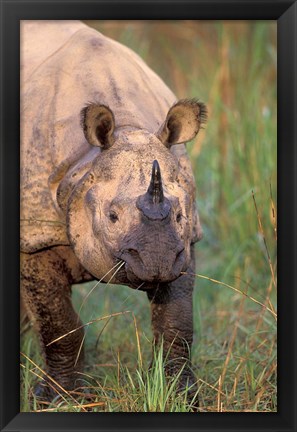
189,384
44,393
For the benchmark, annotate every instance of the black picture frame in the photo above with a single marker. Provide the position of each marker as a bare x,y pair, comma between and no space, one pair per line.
285,12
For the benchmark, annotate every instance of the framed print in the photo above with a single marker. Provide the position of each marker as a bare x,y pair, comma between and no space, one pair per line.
138,139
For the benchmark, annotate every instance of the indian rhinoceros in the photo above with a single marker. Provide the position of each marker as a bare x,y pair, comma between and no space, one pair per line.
105,179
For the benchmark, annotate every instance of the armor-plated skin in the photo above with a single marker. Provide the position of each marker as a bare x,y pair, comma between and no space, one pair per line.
103,181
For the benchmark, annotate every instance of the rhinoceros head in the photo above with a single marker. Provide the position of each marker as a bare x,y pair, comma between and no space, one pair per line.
136,205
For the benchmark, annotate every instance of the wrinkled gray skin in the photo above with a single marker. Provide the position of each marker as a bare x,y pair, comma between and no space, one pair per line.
103,181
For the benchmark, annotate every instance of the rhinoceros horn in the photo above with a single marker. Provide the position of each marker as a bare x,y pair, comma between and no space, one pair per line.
153,203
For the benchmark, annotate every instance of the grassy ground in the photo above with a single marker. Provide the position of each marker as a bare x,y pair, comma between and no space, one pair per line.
231,66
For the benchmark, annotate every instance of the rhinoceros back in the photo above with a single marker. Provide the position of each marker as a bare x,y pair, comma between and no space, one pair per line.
64,65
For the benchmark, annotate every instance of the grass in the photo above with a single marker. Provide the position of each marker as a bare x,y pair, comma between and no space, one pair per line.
231,66
144,390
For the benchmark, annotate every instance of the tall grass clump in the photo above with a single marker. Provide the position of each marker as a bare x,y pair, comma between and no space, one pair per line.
231,66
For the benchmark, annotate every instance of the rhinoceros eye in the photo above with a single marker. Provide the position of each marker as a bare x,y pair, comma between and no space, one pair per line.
113,216
178,216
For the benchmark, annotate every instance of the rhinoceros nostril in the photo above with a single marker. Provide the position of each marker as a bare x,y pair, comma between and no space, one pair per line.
132,255
180,252
179,256
132,252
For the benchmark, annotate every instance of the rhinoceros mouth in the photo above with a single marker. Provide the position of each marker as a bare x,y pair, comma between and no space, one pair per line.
157,271
126,276
138,283
131,259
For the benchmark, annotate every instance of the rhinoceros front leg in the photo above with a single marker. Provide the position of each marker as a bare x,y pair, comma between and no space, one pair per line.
172,321
46,291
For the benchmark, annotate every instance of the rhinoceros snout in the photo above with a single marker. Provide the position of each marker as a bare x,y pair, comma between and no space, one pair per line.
154,266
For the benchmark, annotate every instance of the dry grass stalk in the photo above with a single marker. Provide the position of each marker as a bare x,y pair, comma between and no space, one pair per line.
264,240
80,348
119,368
263,389
219,394
101,331
89,405
117,266
48,383
138,341
273,213
87,324
234,289
212,387
231,341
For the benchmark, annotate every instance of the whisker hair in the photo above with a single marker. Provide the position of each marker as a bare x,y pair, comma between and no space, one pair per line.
120,263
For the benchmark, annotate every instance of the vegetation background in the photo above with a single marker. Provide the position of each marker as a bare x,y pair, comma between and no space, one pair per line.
231,66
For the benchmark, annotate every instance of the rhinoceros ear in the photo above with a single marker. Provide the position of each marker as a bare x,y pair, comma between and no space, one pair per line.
98,125
183,122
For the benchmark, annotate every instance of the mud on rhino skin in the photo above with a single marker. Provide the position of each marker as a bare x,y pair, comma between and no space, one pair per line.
105,179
